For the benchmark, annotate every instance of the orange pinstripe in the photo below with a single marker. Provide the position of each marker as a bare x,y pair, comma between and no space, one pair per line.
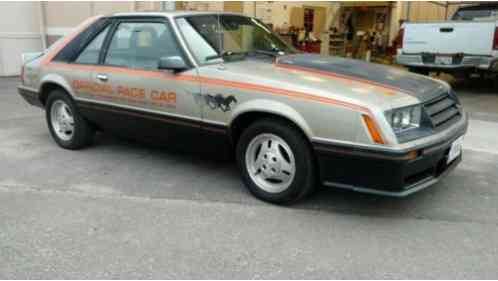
386,89
212,81
47,61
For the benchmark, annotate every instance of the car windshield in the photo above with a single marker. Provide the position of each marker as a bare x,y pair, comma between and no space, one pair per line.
476,14
229,37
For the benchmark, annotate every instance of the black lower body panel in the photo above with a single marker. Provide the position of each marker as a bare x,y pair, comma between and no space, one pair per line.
383,173
157,129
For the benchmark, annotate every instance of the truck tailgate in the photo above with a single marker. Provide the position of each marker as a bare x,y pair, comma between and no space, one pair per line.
449,37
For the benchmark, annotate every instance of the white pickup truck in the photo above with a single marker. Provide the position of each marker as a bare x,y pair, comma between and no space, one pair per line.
466,44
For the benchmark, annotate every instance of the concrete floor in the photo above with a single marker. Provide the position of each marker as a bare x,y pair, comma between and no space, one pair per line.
124,210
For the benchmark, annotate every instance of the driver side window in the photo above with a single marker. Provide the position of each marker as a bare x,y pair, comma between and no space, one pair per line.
141,44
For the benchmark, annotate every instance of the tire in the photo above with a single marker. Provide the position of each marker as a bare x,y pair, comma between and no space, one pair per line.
289,185
77,136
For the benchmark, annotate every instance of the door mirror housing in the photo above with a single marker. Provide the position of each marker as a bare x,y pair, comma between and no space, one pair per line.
174,63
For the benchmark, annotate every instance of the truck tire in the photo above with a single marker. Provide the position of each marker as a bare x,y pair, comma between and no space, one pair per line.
276,161
419,70
66,125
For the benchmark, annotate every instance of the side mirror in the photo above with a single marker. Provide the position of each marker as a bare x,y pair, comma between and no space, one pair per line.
174,63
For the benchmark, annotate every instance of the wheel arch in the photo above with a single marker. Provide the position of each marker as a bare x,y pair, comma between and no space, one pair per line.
250,112
50,83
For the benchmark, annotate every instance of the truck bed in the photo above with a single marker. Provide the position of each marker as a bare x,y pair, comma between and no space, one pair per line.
449,37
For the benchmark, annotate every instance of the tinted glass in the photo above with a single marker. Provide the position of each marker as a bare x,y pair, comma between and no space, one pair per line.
73,48
199,39
476,14
212,34
90,54
141,45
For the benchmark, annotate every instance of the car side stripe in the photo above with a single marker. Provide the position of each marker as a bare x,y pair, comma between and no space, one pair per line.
214,82
223,83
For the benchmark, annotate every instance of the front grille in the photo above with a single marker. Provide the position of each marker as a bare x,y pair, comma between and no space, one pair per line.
442,111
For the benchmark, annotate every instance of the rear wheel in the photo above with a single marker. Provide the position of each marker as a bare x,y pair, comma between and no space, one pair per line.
276,162
68,128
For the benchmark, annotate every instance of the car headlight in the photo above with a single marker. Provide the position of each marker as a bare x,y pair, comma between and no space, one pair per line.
402,119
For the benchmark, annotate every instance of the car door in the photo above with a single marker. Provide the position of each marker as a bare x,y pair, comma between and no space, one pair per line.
132,95
78,71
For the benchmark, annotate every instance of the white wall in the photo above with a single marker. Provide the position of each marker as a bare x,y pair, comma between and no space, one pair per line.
248,8
281,11
19,33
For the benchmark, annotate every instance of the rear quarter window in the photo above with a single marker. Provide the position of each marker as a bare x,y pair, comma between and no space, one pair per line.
90,55
73,48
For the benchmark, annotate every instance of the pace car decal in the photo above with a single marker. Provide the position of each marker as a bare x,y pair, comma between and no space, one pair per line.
127,94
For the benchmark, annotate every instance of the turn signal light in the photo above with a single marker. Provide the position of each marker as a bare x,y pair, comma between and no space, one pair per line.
373,130
412,155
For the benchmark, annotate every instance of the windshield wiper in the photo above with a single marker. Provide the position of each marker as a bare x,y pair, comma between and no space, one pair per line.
268,53
226,54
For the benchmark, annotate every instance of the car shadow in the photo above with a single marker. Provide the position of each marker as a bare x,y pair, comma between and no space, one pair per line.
476,85
325,199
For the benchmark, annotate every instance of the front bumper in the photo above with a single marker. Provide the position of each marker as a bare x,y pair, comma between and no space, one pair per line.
386,173
459,62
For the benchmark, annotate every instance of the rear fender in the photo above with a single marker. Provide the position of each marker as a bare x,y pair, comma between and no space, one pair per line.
56,79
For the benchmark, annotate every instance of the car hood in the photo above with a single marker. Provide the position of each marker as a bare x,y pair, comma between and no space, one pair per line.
421,87
340,78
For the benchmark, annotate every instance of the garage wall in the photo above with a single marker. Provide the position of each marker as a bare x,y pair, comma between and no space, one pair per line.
62,17
281,11
18,36
200,5
427,11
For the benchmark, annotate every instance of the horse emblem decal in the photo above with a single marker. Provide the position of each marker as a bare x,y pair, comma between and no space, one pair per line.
219,101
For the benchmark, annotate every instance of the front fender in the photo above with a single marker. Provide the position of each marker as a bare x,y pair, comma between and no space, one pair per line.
272,107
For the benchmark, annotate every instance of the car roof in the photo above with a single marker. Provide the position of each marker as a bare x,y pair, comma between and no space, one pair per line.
171,14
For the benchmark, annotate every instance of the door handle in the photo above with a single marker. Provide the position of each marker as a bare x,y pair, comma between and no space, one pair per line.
446,29
102,77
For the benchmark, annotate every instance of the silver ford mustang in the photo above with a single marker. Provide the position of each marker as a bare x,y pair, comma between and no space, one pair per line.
224,81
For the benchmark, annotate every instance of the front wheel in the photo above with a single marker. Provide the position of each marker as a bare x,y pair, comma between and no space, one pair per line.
68,128
276,162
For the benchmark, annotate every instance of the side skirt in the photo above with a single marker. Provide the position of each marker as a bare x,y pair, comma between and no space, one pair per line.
157,129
